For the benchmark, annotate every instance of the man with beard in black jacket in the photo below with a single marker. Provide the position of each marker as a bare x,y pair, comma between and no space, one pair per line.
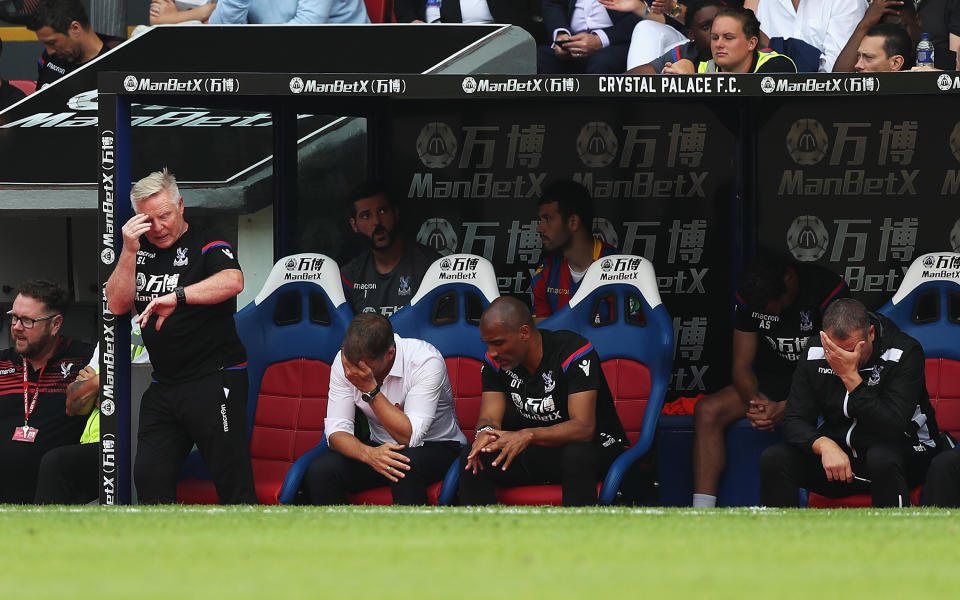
865,379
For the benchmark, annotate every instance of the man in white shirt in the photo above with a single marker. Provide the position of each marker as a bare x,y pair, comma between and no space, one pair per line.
401,386
825,24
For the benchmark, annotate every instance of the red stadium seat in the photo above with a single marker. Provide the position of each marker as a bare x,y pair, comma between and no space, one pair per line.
379,11
927,306
292,332
635,344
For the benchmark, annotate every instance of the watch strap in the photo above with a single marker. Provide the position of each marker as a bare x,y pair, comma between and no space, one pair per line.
181,295
369,396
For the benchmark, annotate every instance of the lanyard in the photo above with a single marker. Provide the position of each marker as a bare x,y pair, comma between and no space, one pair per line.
29,405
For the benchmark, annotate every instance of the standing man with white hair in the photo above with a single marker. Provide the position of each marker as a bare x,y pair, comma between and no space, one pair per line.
184,282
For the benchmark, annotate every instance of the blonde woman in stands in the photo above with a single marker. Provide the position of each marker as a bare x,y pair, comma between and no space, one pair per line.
734,38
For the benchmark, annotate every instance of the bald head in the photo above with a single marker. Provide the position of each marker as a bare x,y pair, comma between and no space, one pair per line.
507,312
511,336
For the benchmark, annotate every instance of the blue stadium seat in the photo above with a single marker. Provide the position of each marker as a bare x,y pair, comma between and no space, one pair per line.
445,312
618,308
926,306
292,331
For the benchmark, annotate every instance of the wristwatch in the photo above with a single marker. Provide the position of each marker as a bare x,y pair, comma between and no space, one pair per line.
480,430
677,10
181,295
369,396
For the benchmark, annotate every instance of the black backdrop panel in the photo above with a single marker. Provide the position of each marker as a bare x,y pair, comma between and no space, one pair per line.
48,138
861,188
662,175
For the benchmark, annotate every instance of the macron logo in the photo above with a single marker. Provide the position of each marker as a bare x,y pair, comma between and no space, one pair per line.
585,367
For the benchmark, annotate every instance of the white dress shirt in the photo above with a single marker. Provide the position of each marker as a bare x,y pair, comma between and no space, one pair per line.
589,15
824,24
417,384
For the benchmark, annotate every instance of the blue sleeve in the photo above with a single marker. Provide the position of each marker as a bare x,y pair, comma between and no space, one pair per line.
230,12
312,11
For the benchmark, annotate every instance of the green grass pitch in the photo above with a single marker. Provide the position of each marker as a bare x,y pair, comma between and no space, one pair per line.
451,553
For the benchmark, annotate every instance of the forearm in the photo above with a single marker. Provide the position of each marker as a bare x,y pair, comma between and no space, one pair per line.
180,16
847,58
121,287
392,418
745,382
824,444
349,446
215,289
80,396
561,433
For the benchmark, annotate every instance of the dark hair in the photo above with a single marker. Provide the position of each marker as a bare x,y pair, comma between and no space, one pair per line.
367,189
896,41
572,199
370,335
845,316
58,14
695,6
748,20
52,294
762,280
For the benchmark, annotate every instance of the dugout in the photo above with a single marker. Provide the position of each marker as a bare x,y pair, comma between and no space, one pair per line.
48,188
692,172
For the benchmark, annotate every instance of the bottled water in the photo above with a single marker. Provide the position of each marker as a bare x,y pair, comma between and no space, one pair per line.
925,51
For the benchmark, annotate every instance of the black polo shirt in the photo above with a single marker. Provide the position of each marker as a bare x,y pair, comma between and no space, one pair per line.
569,365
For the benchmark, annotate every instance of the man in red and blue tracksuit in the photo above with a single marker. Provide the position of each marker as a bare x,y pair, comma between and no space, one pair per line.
566,220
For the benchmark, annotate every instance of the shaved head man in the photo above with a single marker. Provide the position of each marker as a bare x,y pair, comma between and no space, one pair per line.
546,413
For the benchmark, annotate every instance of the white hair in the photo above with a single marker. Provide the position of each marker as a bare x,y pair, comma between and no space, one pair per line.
154,183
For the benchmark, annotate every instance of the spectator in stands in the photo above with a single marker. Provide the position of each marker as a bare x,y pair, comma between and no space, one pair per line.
71,474
546,413
586,37
565,228
658,29
886,47
165,12
698,21
509,12
941,19
289,11
892,12
9,94
63,27
34,375
387,275
943,480
778,307
183,281
824,24
401,386
847,433
734,39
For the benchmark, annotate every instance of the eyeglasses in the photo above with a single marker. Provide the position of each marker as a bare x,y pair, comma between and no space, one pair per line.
27,322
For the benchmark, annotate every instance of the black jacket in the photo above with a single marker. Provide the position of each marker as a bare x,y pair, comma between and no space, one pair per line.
891,404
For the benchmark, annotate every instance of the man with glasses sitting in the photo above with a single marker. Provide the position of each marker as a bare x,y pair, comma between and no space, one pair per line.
34,375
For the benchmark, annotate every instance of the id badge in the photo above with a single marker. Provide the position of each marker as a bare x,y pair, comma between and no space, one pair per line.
25,434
